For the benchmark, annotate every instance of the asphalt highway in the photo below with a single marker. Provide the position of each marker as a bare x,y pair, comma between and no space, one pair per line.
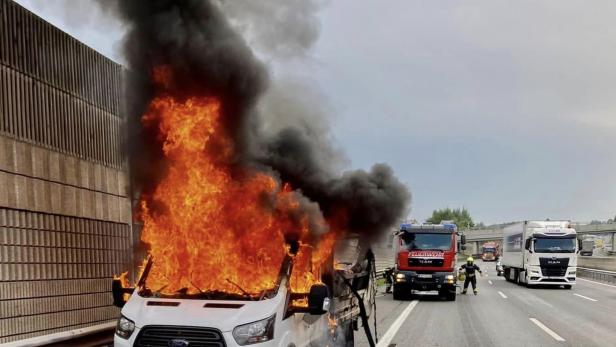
503,314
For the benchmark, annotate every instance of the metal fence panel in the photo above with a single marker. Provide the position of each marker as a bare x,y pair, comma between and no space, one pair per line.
63,171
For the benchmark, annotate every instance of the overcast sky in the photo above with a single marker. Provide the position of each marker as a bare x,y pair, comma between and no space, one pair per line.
505,107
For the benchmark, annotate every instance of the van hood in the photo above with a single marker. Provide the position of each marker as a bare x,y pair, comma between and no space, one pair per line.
220,314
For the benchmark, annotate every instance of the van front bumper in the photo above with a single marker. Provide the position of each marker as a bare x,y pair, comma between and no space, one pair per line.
228,336
122,342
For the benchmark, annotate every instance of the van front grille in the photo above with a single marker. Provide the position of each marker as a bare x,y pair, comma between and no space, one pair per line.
163,335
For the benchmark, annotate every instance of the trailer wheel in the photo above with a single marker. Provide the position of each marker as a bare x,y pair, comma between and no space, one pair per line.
518,279
506,274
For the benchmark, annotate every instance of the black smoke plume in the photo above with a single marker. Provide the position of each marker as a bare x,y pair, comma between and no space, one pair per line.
209,58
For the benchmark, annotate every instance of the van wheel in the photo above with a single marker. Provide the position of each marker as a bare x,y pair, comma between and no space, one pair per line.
349,336
567,286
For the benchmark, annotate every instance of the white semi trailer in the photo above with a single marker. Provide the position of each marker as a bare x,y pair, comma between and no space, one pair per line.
540,252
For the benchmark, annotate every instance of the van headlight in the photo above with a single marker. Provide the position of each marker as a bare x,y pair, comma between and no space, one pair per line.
125,327
255,332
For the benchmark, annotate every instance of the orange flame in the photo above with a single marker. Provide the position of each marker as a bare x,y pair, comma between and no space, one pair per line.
209,229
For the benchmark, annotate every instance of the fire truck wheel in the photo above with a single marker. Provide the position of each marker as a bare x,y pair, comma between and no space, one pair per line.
399,294
448,295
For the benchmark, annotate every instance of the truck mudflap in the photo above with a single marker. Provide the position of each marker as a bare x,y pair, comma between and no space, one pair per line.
408,281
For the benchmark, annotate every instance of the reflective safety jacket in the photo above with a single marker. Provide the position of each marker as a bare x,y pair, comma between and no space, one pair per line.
470,269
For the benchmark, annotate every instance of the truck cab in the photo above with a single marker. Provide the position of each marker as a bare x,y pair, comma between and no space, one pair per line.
489,251
425,260
540,253
588,245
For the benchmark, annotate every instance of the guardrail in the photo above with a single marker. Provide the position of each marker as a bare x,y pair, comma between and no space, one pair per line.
608,277
597,275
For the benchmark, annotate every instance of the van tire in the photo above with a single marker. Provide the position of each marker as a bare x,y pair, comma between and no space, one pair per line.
349,335
567,286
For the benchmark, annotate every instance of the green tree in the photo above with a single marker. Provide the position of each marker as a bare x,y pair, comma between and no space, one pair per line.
460,216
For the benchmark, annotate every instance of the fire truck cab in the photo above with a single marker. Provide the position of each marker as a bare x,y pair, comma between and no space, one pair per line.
425,259
490,251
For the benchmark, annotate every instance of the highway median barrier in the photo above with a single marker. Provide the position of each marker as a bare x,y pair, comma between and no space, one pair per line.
608,277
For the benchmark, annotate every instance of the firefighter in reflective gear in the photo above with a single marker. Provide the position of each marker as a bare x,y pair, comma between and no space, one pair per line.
470,268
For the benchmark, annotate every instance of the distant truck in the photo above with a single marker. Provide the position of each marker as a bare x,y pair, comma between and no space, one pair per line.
425,258
540,252
490,251
587,247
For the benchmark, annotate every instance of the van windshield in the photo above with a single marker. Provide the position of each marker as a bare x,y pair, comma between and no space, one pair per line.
191,290
427,241
555,245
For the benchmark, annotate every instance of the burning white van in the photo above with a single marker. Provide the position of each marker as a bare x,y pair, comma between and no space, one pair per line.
272,317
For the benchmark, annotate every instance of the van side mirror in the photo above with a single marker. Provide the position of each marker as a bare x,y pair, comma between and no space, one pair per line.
318,299
119,293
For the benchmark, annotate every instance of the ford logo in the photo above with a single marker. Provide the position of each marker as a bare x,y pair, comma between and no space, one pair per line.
178,343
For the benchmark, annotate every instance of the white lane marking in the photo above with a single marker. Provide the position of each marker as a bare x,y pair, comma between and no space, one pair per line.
547,330
490,282
393,329
595,282
585,297
502,295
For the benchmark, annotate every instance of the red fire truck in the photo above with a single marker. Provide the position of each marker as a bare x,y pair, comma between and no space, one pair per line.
490,251
426,259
